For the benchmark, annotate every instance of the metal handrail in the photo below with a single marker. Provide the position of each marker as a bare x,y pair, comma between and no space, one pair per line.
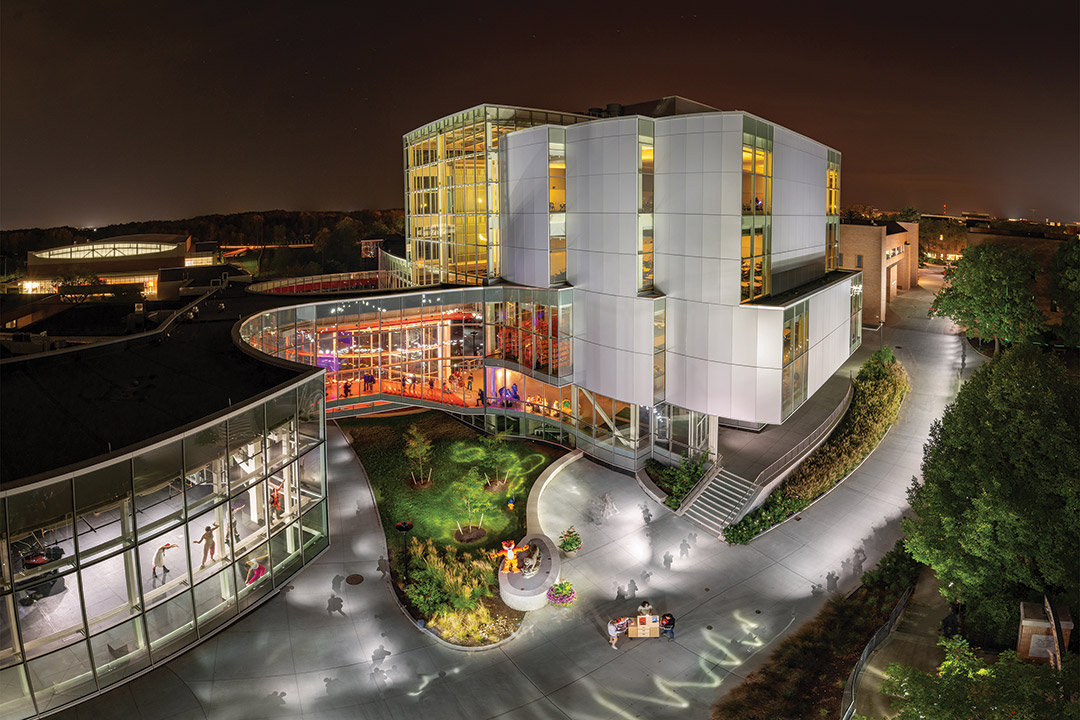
779,465
703,483
847,700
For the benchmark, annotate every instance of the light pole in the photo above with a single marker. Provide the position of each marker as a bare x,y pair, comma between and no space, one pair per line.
404,527
881,334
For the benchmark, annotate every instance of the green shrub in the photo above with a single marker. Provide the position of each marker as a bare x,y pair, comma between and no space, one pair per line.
879,389
679,480
442,581
776,508
896,571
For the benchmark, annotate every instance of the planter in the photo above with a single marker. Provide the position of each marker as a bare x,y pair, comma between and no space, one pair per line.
570,554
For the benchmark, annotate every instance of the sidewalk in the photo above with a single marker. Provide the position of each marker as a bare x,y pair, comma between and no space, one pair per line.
297,657
912,642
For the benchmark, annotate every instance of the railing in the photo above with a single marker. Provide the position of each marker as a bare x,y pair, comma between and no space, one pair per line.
330,283
847,700
394,273
146,335
703,483
765,476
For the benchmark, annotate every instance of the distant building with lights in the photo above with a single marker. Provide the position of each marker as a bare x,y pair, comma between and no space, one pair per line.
119,260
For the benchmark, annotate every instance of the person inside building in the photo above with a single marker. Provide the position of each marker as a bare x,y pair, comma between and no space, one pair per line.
645,608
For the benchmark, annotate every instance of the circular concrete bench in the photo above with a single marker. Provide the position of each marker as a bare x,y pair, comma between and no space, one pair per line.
526,594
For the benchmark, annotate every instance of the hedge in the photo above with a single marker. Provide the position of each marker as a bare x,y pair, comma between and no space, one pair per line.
879,389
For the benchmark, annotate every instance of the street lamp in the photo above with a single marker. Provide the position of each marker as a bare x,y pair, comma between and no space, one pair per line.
404,527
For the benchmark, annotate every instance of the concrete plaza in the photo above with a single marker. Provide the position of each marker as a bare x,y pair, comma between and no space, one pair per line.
323,649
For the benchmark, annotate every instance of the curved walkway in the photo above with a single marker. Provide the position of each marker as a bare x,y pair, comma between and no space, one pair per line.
295,658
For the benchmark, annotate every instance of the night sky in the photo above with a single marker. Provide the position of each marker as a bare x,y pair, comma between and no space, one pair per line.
111,112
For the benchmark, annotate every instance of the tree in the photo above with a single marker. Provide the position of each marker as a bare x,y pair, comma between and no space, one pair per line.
964,688
76,287
942,236
999,504
338,249
908,214
989,292
1065,288
498,458
473,500
418,451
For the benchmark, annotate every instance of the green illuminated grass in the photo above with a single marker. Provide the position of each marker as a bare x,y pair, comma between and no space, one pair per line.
379,443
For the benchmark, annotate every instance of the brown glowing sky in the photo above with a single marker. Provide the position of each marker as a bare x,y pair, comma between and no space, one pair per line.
112,112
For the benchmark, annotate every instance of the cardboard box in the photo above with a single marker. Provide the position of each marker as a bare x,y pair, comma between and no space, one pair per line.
644,626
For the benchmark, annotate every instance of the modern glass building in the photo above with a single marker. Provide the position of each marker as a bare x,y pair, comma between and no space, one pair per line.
452,191
648,280
114,566
626,285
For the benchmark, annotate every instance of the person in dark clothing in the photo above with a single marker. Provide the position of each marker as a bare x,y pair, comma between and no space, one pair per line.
950,625
667,626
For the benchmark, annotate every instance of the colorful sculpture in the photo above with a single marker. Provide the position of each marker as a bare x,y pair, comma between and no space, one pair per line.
510,551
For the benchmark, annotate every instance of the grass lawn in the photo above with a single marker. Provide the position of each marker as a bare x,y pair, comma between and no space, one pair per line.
434,512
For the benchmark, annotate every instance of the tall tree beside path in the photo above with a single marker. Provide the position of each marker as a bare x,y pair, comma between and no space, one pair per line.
999,505
964,687
1065,288
989,292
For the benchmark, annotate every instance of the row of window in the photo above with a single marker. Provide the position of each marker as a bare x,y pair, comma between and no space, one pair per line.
757,151
84,631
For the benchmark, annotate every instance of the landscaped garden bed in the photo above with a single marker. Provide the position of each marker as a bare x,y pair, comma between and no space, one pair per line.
454,484
677,481
805,675
880,388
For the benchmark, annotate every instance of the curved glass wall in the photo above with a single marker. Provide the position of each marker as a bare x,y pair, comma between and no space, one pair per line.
115,567
499,357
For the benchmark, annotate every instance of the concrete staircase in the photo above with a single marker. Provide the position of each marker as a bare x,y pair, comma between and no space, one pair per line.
721,502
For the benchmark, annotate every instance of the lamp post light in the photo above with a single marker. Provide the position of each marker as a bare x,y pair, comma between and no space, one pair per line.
404,527
881,334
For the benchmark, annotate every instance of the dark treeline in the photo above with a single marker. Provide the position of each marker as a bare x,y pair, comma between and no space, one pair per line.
272,227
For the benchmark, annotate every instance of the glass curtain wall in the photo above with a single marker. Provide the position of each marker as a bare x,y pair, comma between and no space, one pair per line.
507,352
855,323
680,432
452,191
796,343
646,144
557,206
757,152
113,568
529,330
832,212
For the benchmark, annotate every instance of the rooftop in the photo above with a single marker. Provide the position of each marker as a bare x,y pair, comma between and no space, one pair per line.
57,411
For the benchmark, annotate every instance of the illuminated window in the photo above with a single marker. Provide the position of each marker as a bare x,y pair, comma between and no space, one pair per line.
452,191
795,346
756,209
832,212
646,167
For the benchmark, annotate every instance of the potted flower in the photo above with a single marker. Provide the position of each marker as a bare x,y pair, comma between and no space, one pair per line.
570,541
562,594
